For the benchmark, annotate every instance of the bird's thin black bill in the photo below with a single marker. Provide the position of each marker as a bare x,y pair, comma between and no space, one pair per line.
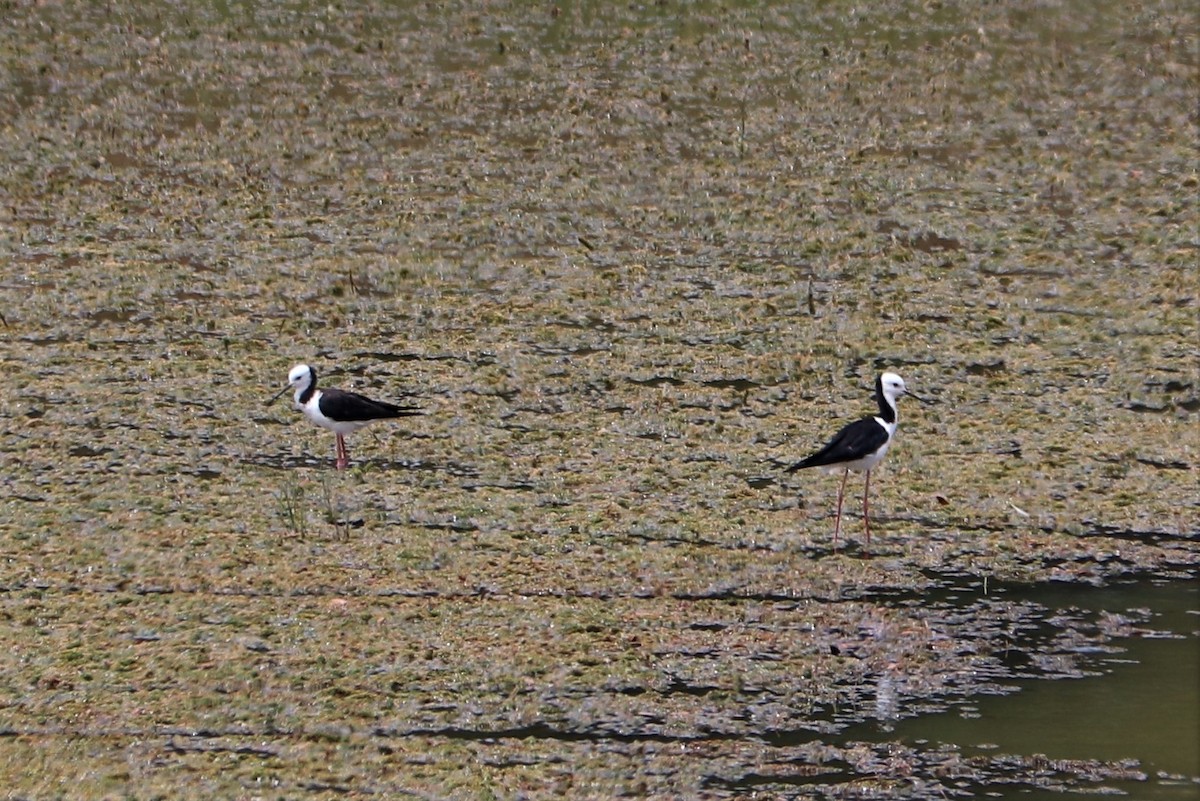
279,394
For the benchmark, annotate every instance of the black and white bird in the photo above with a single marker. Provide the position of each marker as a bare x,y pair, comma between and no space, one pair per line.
340,411
861,445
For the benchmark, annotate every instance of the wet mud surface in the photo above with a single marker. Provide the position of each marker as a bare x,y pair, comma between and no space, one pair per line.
633,261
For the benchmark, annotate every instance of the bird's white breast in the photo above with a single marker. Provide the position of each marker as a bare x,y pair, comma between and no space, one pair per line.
312,410
869,461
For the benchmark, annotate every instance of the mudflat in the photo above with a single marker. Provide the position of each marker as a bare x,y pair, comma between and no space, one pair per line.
632,260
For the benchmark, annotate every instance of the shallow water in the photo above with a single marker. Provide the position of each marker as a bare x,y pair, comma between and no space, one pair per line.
1141,703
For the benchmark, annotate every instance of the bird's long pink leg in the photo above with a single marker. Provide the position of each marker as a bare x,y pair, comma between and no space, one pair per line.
343,458
866,515
837,526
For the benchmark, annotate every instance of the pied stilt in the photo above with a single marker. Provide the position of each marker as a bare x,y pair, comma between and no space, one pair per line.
861,445
339,411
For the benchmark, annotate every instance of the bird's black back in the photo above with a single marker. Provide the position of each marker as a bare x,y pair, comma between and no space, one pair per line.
338,404
855,441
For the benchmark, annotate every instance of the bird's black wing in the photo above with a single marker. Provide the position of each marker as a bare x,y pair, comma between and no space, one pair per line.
338,404
854,441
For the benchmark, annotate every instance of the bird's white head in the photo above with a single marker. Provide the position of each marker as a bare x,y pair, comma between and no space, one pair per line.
301,377
892,385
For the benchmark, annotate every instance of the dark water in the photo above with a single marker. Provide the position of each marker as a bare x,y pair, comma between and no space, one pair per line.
1143,705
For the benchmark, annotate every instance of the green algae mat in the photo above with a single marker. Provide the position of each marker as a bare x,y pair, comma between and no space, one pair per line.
632,260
